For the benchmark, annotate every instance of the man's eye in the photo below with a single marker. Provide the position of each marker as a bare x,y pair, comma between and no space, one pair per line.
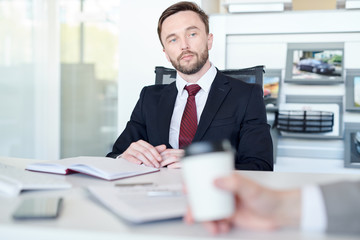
192,34
173,40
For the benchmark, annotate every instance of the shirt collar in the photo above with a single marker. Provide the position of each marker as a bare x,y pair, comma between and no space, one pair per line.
204,82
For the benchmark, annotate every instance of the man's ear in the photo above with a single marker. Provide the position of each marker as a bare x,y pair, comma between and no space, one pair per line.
167,56
210,40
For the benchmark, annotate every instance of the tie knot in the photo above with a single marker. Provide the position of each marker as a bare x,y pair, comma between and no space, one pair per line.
193,89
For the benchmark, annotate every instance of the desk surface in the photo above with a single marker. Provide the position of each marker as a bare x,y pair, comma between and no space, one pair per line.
83,218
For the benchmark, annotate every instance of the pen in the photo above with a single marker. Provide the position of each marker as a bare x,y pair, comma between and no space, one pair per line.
164,193
133,184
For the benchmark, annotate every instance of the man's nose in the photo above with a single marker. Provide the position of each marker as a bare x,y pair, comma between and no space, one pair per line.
184,44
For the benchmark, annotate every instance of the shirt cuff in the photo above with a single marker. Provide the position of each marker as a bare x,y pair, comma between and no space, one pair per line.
313,213
118,156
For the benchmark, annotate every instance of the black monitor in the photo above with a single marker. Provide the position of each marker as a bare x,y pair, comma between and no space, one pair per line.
272,87
352,90
315,63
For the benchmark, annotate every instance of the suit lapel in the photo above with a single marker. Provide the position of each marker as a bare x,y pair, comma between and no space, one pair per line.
218,91
165,111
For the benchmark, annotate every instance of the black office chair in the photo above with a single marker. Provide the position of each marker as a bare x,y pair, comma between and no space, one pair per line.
252,75
164,75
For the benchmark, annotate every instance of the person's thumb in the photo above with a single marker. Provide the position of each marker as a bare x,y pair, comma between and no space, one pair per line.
230,183
160,148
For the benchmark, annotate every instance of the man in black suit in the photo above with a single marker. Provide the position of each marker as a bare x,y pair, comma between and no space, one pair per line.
226,108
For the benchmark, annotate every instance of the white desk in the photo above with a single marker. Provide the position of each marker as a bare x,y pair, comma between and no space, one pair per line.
83,218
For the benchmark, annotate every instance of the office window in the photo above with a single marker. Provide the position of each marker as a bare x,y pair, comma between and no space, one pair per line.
89,70
17,71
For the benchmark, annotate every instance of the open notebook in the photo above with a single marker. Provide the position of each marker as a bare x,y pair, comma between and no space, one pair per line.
141,204
101,167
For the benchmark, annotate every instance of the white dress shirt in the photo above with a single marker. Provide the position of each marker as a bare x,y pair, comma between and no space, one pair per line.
200,99
313,213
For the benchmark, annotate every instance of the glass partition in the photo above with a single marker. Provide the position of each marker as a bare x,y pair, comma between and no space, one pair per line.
89,69
58,77
17,92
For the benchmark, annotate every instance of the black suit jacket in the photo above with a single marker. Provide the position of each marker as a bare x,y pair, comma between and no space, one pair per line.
234,110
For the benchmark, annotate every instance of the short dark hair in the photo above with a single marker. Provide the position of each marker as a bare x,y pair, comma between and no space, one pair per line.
179,7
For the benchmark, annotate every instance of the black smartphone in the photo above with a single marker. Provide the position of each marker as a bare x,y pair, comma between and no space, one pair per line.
38,208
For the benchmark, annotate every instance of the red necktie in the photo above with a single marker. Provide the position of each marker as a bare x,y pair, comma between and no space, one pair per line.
188,124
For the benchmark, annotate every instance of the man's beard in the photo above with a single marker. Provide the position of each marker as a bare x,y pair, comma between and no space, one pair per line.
194,68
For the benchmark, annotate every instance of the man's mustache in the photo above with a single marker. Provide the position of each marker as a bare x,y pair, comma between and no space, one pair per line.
185,53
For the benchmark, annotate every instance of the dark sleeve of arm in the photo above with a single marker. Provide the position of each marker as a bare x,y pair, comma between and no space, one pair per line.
342,207
135,129
255,151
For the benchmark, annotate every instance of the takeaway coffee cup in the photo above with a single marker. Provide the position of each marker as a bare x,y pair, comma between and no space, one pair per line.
202,163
